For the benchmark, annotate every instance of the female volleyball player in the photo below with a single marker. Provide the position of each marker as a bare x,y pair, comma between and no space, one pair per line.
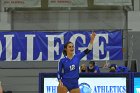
68,81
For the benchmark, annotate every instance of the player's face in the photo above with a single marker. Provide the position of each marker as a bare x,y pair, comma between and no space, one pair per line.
70,48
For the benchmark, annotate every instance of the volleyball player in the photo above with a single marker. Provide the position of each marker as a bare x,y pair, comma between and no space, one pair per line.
68,81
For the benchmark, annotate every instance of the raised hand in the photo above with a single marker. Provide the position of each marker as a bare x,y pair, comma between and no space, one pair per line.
92,37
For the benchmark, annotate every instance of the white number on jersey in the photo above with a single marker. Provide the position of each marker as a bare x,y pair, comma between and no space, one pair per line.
72,67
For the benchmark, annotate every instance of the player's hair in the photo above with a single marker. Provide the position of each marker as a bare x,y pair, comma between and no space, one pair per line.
65,46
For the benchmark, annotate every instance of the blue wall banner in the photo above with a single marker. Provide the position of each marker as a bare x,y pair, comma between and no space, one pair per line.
48,46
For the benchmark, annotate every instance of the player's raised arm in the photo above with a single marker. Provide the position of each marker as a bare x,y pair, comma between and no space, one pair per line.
91,40
89,48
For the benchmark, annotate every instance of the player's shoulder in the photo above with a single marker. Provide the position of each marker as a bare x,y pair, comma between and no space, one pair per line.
63,59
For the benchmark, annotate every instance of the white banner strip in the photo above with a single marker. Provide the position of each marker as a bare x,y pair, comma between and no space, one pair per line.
67,3
21,3
113,2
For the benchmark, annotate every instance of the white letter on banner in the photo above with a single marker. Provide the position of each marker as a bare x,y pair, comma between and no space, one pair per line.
51,47
0,49
8,47
97,48
73,39
30,39
18,57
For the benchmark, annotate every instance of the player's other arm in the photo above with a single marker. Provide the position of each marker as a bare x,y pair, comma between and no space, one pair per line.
59,73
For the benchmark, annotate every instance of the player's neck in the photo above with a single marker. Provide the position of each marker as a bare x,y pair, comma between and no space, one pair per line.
70,56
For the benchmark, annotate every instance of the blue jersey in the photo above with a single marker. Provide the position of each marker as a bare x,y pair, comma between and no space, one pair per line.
70,66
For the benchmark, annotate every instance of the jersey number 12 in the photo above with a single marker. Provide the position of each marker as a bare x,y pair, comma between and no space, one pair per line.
72,67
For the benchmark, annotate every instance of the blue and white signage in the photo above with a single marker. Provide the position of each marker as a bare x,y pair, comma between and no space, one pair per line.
48,46
91,85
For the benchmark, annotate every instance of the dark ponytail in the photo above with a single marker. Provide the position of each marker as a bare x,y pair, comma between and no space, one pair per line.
65,46
64,52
